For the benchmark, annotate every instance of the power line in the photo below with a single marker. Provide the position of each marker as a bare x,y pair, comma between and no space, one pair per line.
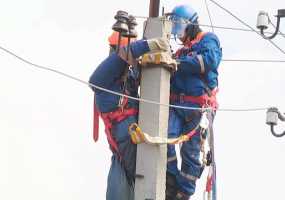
209,14
244,23
120,94
254,60
239,29
220,27
241,60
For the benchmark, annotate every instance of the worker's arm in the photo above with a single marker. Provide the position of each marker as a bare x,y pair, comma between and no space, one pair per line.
112,68
108,71
207,58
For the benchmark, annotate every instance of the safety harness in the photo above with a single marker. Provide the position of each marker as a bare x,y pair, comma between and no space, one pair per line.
111,118
204,100
138,136
205,128
188,44
209,98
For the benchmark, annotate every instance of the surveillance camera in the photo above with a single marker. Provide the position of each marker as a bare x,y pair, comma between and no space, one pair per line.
262,20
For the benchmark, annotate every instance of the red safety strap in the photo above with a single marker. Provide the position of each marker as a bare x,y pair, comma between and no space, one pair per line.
188,44
203,100
209,184
115,117
96,115
95,121
109,118
192,133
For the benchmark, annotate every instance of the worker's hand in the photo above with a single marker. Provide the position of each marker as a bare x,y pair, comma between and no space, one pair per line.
158,44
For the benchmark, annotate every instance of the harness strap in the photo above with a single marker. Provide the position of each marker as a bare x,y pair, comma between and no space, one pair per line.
115,117
108,128
203,100
189,44
95,121
187,50
138,136
206,87
213,164
209,183
197,39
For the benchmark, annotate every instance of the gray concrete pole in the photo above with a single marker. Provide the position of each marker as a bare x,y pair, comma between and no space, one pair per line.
153,119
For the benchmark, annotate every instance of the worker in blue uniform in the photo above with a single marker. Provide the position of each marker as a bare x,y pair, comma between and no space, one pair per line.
194,84
119,72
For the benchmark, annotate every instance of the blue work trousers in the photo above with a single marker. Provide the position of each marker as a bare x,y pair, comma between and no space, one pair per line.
182,121
121,176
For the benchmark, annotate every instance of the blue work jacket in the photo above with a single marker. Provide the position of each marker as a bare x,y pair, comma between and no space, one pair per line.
191,77
109,74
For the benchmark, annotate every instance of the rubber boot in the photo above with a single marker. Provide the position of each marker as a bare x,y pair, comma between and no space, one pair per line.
171,187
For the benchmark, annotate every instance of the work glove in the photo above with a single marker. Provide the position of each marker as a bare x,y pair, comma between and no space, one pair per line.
159,58
158,44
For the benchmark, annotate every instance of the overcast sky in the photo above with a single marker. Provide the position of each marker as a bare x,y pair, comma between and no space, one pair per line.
46,145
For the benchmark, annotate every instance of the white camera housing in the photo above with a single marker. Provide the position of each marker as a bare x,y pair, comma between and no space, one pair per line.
262,20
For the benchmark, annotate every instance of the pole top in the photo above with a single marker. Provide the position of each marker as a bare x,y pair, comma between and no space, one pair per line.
154,8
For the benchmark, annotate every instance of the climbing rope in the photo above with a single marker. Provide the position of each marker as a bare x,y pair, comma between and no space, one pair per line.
138,136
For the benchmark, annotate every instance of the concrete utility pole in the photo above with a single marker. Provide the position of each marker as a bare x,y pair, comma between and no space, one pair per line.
153,119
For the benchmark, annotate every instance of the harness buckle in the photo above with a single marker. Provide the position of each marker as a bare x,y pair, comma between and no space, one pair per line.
181,98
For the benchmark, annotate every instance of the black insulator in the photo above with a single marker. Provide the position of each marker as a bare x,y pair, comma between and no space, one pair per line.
121,24
132,33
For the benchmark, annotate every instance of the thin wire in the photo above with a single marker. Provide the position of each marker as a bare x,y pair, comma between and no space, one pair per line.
254,60
123,95
220,27
244,23
243,109
240,29
209,14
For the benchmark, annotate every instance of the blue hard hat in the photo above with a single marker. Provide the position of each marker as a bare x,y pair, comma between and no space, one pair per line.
181,16
186,12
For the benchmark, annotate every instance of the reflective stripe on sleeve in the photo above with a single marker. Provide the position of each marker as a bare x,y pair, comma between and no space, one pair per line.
201,61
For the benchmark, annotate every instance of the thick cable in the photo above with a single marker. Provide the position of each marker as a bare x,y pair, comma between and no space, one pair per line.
279,32
123,95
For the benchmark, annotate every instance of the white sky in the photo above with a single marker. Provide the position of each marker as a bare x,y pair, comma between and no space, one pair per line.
46,145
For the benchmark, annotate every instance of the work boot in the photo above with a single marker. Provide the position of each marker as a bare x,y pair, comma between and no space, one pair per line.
181,196
171,187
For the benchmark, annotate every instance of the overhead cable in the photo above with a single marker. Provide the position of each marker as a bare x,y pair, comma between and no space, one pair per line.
220,27
253,60
123,95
